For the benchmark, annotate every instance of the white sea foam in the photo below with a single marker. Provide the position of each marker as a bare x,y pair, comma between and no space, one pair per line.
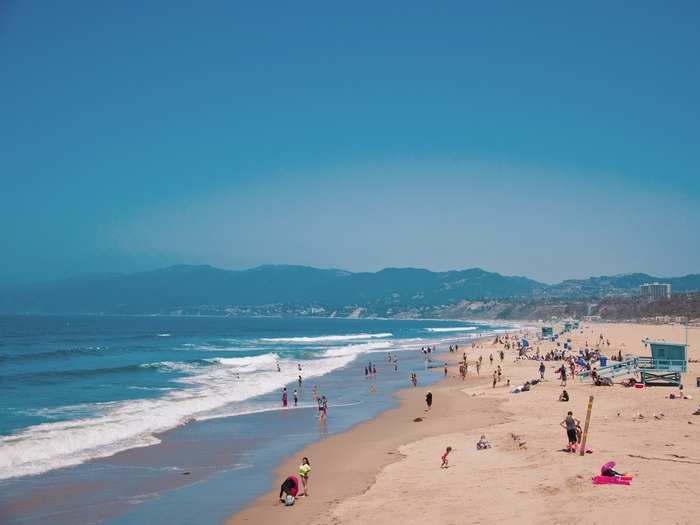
163,335
135,423
215,387
326,338
357,349
452,329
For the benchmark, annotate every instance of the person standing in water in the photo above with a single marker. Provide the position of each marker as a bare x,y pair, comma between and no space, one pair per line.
299,381
284,397
296,397
429,400
324,405
304,470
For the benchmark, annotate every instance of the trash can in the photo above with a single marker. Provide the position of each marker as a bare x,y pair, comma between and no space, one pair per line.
603,360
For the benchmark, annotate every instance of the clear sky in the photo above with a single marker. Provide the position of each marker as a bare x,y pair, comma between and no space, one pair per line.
552,140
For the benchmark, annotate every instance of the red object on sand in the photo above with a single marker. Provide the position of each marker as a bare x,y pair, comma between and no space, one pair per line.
612,480
295,489
638,385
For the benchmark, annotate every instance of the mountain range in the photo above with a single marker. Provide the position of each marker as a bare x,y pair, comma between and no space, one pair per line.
185,287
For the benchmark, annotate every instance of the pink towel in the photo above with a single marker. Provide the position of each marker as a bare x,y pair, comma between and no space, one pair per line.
612,480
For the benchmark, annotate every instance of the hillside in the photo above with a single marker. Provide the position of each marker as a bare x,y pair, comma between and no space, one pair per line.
302,290
178,287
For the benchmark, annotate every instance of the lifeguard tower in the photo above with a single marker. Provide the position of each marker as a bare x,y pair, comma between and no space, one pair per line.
666,364
664,368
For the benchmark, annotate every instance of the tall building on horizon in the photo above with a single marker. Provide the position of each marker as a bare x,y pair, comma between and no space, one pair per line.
653,291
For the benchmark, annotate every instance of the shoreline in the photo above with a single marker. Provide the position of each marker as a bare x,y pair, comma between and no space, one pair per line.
390,462
214,459
382,443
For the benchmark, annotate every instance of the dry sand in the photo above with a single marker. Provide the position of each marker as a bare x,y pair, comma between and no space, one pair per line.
387,470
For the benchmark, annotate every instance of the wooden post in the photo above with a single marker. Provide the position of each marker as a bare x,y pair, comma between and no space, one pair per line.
585,426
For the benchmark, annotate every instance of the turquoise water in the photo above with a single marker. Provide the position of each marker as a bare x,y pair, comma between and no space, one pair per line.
77,390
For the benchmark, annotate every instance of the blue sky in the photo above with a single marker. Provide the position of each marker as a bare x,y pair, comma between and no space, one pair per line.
544,140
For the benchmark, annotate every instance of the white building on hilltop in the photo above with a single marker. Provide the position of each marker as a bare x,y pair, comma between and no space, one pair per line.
654,291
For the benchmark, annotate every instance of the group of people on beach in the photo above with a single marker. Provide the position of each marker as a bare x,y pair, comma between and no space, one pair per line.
289,490
370,370
320,401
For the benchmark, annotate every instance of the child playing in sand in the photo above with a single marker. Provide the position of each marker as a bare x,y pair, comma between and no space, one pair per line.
444,457
483,444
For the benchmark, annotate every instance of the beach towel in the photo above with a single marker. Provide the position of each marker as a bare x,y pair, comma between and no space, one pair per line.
612,480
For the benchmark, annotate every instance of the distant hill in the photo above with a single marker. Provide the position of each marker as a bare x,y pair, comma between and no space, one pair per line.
619,285
387,292
168,289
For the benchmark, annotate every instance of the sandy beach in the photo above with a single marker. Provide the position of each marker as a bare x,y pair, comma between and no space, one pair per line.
387,470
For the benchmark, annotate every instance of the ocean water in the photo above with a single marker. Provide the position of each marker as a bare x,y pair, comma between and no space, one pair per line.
77,390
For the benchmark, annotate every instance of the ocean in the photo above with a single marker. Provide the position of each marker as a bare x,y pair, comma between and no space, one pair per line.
180,407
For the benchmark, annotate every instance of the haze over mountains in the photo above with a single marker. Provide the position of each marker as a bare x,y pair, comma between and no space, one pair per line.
180,288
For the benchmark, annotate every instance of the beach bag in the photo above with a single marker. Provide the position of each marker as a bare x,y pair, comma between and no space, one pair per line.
289,500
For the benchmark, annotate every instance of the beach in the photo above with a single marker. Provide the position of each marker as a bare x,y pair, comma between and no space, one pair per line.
387,470
188,410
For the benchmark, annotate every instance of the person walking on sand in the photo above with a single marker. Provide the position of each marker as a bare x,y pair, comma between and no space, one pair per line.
569,424
562,373
478,366
494,379
445,370
444,458
429,400
304,470
499,372
491,359
542,369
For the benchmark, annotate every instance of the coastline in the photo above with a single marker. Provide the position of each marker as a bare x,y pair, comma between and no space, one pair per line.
374,444
224,462
389,463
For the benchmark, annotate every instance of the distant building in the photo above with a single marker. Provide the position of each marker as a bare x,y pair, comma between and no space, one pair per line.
653,291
